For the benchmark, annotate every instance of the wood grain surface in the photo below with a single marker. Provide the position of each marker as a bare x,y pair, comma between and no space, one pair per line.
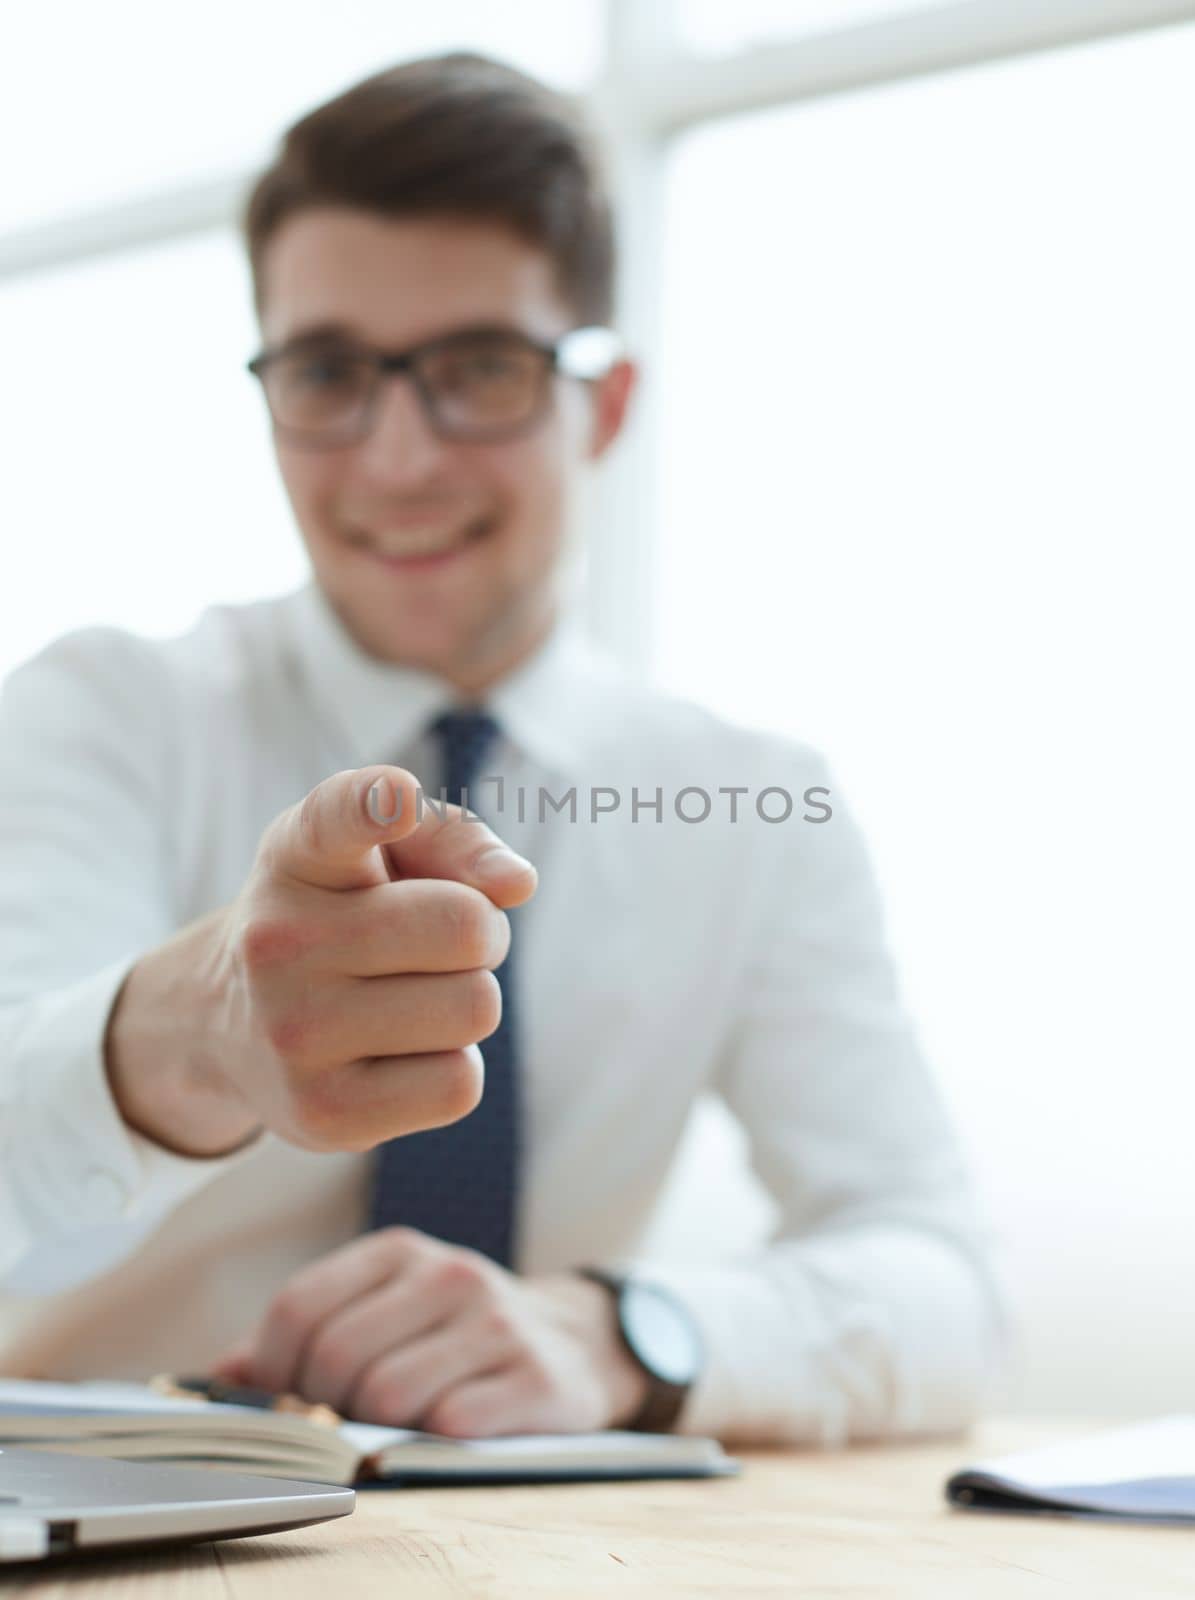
850,1525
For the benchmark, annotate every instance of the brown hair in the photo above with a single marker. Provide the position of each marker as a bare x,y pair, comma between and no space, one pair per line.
452,135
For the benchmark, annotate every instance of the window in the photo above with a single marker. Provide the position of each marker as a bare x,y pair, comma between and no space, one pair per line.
926,498
138,480
713,28
205,90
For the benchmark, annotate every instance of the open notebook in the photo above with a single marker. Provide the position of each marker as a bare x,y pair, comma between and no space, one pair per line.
135,1423
1145,1472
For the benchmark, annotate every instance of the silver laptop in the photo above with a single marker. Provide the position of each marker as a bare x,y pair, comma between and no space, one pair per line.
54,1505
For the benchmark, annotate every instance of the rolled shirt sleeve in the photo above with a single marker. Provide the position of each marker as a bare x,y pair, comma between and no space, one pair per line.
873,1312
84,891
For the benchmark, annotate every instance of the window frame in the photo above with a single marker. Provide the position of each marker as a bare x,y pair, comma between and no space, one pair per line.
648,91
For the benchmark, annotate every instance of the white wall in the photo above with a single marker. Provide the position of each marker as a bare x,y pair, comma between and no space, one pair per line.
926,498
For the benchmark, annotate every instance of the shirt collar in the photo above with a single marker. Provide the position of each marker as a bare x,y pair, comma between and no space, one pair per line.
552,707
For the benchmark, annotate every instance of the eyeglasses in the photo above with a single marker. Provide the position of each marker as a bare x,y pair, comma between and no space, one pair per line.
475,385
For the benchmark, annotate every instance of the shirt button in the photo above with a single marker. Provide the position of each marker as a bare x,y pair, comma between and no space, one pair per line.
105,1195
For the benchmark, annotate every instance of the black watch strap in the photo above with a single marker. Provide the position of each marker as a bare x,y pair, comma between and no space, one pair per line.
665,1395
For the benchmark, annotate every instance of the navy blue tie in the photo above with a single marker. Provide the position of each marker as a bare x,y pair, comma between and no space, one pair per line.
460,1183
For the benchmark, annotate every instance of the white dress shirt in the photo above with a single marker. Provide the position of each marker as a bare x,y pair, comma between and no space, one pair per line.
659,958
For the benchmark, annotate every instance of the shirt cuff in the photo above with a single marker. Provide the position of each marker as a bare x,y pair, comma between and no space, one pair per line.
743,1321
71,1163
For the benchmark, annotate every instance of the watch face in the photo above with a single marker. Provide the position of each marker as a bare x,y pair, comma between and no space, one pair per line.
661,1333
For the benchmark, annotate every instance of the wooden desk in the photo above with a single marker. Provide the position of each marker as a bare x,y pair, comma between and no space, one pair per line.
861,1523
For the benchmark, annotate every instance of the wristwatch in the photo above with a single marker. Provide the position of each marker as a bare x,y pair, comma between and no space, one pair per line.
662,1337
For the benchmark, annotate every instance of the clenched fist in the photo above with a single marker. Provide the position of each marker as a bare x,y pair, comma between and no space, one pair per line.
402,1329
338,1001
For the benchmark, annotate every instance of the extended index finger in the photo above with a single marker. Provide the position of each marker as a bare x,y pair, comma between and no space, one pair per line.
449,843
364,827
332,837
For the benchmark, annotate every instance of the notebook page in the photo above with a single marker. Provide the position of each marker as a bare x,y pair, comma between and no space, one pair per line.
1164,1448
32,1394
369,1440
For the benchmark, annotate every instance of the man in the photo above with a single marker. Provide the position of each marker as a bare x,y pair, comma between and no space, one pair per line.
245,971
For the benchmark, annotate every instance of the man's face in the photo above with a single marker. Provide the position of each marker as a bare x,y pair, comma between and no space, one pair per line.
435,553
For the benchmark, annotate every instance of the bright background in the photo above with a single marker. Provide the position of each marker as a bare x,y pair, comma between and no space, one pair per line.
912,479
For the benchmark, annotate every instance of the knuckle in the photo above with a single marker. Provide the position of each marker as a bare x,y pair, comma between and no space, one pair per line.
289,1310
331,1355
377,1400
498,1324
471,927
390,1245
540,1384
319,1113
291,1035
270,941
388,1251
451,1415
456,1274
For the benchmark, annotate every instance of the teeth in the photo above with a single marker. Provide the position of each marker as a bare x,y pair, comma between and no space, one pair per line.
419,544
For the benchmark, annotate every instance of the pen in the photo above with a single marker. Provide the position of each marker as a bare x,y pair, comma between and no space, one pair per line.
235,1394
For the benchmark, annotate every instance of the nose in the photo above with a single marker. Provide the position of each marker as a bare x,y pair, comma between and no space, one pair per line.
401,448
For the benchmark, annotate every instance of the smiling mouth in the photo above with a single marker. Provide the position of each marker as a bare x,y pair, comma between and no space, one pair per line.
421,547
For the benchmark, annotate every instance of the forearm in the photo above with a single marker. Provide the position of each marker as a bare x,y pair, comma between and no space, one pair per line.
84,894
79,1187
161,1047
872,1331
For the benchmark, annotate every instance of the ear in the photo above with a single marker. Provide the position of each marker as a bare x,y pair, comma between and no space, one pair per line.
611,403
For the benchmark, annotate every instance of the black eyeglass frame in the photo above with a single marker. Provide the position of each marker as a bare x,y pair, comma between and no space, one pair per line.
587,354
